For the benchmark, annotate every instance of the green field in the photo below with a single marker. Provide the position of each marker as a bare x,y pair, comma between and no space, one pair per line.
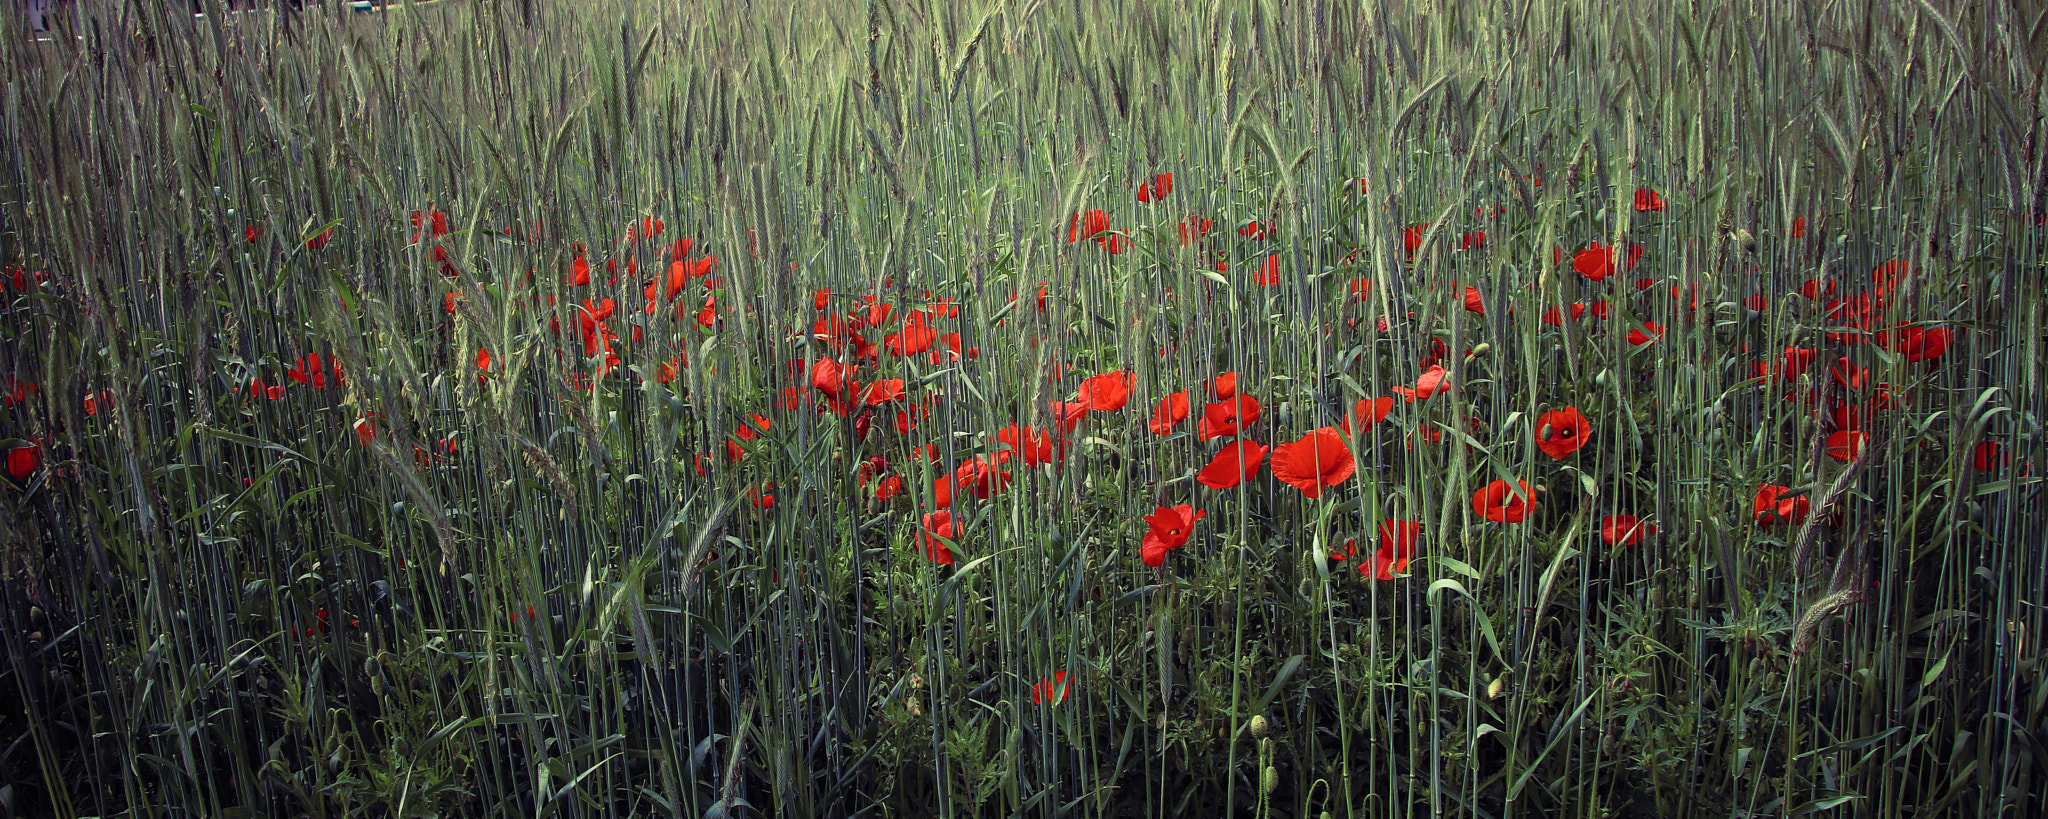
1017,408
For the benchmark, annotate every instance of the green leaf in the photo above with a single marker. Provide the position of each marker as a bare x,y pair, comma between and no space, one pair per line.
1287,670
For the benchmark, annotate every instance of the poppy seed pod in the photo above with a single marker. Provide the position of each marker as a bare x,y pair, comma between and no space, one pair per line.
1744,240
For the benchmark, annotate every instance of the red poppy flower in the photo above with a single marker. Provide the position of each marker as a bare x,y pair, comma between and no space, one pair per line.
1358,290
1086,225
1168,527
1032,443
1155,190
22,461
1475,240
579,272
1223,386
1917,343
1238,461
1638,338
1228,417
760,497
1503,503
1848,374
1624,530
1411,237
1986,456
883,391
1397,546
1107,392
831,378
1172,410
437,220
1067,416
1367,412
979,477
1268,272
915,338
483,359
888,487
320,240
1799,227
257,389
1255,230
1595,262
1771,511
366,428
1318,459
1473,303
1847,444
1555,317
1434,380
1052,689
932,535
1648,200
1561,432
1193,229
1796,360
745,432
14,391
309,369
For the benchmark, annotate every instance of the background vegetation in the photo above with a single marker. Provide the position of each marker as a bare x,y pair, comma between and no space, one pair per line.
412,587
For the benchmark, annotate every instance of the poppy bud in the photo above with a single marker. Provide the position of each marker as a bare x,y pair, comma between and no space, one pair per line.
1260,728
1495,689
1269,780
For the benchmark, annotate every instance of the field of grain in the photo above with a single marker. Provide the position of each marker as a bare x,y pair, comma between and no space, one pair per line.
1007,407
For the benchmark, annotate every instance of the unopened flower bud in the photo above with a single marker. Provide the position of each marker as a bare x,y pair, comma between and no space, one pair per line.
1260,728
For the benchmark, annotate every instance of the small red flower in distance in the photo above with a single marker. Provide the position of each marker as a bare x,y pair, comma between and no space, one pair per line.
1624,530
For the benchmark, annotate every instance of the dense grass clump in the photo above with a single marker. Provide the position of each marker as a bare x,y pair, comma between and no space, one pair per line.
1116,408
